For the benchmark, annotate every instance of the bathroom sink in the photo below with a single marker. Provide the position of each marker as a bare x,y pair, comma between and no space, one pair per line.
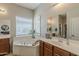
64,42
58,40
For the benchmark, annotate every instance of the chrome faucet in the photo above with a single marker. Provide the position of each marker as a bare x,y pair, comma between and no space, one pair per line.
33,34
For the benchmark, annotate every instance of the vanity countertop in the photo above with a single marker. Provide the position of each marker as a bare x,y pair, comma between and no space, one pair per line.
73,46
4,36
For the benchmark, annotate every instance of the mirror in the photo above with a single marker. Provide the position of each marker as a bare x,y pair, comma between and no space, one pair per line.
49,28
62,26
65,21
68,26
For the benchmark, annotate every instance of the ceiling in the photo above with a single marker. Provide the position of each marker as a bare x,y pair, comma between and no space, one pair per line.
29,5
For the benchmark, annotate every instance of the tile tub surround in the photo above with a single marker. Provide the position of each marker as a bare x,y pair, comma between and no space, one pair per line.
25,46
73,46
24,40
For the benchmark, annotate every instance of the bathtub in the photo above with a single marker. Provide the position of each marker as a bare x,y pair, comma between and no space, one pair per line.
25,47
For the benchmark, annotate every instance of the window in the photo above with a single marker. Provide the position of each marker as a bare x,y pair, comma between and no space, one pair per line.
23,26
37,25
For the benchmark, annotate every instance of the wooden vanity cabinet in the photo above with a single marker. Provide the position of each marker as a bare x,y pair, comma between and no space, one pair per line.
48,49
60,52
4,46
45,49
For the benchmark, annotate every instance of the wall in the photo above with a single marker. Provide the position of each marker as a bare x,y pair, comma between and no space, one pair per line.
4,22
14,10
46,10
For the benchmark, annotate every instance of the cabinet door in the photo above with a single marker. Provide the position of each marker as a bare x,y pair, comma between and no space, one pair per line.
47,45
41,48
47,52
48,49
60,52
4,46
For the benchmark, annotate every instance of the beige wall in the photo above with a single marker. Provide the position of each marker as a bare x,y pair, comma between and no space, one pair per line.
44,11
41,11
4,22
14,10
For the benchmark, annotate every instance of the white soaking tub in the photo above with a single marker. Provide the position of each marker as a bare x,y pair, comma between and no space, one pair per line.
26,47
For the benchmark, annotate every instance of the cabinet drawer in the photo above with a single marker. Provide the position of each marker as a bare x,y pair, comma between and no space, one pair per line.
47,45
4,46
60,52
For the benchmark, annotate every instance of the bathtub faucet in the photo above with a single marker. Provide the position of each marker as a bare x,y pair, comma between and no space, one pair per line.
33,34
24,43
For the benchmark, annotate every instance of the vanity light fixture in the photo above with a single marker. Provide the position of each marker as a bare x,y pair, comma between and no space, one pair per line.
2,11
57,5
49,20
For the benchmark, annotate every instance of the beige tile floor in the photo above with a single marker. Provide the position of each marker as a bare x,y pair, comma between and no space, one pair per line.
10,54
